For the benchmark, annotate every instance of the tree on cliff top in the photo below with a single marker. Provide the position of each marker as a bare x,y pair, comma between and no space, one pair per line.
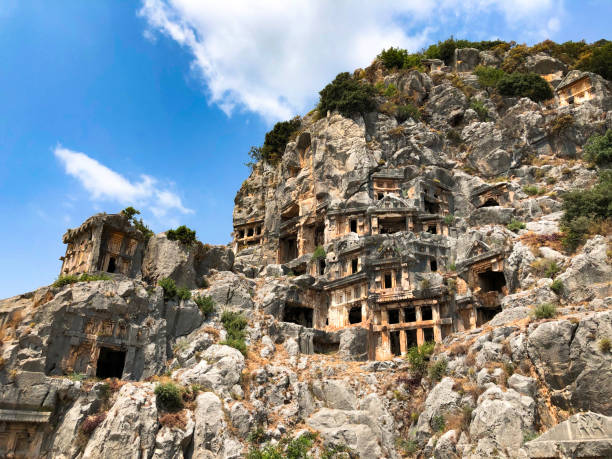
347,95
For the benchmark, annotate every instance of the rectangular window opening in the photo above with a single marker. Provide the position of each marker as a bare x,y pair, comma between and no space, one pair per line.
388,283
354,264
353,226
409,315
110,363
355,315
426,313
393,316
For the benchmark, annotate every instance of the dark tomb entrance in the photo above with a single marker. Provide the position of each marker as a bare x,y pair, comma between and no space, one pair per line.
355,315
112,265
110,363
491,281
394,338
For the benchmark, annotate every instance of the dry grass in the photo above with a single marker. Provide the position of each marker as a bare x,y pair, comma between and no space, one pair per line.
458,349
535,241
174,420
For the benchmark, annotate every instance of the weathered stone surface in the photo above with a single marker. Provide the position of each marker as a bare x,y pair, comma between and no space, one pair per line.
130,427
165,258
441,400
486,155
583,435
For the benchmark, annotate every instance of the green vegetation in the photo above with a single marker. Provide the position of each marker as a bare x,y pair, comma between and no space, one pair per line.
183,293
276,140
586,210
390,90
529,85
557,286
294,448
438,369
169,396
529,435
605,345
234,323
480,109
85,277
545,311
531,190
396,58
347,95
488,77
77,376
438,423
182,234
598,149
419,356
319,253
403,112
552,270
515,225
169,287
599,61
130,213
206,304
449,219
445,50
407,447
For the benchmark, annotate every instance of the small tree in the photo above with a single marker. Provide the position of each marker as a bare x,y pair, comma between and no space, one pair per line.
183,234
206,304
130,212
488,77
276,140
169,396
347,95
529,85
169,287
393,58
598,149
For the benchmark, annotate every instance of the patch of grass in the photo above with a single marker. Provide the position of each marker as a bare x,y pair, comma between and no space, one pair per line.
557,286
206,304
515,225
598,149
85,277
169,396
77,376
531,190
529,85
183,234
438,369
183,293
529,435
403,112
407,447
605,345
545,311
449,219
169,287
319,253
294,448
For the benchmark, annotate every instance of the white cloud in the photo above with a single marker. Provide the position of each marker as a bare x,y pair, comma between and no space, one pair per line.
272,57
104,184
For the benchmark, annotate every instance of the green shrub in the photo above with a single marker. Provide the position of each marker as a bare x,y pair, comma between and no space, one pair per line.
552,270
129,212
169,287
453,267
529,435
419,356
347,95
583,209
85,277
182,234
413,61
557,286
598,149
454,136
525,85
488,77
390,90
257,436
206,304
545,311
438,423
295,448
403,112
276,140
438,369
600,61
449,219
234,323
183,293
408,447
515,225
480,109
445,50
169,396
319,253
531,190
605,345
393,58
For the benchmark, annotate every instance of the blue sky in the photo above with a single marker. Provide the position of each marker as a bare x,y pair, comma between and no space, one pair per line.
156,103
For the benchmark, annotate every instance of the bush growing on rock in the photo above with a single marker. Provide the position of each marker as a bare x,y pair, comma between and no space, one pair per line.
393,58
183,234
438,369
206,304
85,277
169,287
347,95
91,422
403,112
234,323
183,293
276,140
319,253
480,109
545,311
557,286
525,85
605,345
488,77
438,423
599,61
169,396
598,149
515,225
294,448
419,356
531,190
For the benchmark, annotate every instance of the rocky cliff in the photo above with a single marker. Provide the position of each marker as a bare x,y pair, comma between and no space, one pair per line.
401,284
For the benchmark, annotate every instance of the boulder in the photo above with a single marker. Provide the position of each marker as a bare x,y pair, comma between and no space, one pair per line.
217,257
440,401
165,258
486,154
466,59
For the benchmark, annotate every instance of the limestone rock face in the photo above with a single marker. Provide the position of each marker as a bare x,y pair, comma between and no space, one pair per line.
165,258
130,427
